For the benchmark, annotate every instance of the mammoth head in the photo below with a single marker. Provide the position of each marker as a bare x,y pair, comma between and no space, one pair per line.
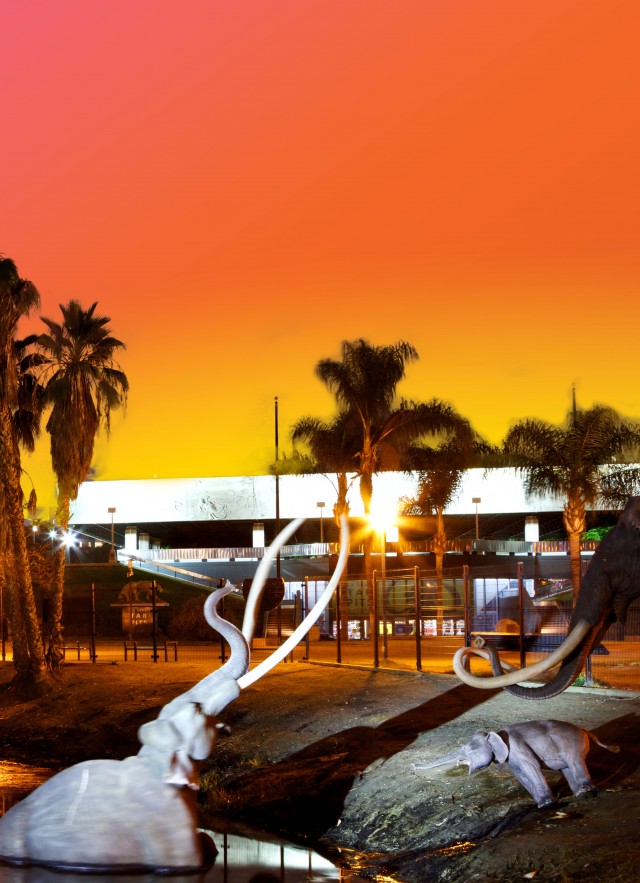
478,753
183,741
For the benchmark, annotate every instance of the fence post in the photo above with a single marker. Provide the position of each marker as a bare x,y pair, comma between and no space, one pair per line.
588,682
416,589
154,635
304,613
523,650
467,613
93,623
338,626
374,616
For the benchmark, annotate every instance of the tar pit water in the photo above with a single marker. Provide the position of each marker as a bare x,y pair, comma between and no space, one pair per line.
240,858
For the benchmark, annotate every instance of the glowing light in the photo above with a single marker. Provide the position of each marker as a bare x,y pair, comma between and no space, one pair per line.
69,539
383,520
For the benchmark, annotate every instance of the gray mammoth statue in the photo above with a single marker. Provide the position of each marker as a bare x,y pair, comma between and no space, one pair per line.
527,747
139,814
610,584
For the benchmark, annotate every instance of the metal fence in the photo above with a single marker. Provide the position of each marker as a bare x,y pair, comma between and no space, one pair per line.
415,620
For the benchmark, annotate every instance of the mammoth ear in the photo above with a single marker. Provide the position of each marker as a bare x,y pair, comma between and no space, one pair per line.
159,734
499,747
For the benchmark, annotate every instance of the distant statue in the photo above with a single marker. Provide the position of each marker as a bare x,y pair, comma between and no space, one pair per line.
138,592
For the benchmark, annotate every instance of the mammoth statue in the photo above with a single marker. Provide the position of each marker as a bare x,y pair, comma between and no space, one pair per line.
139,814
609,586
526,748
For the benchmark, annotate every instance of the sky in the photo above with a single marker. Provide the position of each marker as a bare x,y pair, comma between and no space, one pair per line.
243,185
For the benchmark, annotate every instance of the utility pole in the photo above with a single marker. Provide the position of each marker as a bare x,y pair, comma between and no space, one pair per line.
277,485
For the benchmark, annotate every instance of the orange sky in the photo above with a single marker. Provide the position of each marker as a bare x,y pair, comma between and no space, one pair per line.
242,185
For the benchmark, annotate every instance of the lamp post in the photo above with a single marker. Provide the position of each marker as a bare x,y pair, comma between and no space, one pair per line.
112,553
321,508
476,500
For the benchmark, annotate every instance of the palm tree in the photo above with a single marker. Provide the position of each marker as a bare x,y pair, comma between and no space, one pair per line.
18,297
82,384
365,383
333,448
584,462
440,473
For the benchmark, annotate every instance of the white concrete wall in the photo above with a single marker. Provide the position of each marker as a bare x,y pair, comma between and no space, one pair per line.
253,497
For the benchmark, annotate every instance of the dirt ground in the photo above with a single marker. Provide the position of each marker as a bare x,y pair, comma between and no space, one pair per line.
323,756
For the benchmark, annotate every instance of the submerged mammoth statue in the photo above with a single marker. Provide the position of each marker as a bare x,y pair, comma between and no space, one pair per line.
139,814
609,586
526,748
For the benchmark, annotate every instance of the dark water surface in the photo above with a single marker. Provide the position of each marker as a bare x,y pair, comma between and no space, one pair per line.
240,859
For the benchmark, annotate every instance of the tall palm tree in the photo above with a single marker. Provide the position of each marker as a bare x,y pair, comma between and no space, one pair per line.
18,297
365,382
82,385
584,462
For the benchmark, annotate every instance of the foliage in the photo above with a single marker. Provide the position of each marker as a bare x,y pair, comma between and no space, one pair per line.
187,621
18,424
372,427
82,383
595,534
295,464
587,460
70,370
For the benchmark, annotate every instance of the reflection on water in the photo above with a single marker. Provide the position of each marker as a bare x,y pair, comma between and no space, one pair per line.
240,859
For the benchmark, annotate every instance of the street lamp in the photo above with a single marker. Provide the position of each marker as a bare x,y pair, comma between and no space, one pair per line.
112,553
321,508
476,500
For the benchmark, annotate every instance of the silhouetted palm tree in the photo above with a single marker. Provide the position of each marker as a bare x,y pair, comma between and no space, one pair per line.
82,384
333,448
18,297
364,382
583,462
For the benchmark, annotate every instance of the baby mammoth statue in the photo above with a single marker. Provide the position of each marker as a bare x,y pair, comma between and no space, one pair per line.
527,747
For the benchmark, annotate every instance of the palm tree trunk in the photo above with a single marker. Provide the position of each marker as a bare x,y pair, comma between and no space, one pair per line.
31,675
342,508
366,493
18,634
439,548
55,629
575,522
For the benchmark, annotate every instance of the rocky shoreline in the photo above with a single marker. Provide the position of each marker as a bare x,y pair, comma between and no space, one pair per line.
322,755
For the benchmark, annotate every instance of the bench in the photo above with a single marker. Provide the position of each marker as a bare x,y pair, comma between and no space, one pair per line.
76,647
532,642
165,646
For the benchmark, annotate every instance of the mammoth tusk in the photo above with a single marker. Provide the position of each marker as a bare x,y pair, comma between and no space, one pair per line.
519,675
278,655
260,578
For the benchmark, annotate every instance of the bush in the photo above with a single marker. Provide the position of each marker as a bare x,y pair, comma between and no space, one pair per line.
188,622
